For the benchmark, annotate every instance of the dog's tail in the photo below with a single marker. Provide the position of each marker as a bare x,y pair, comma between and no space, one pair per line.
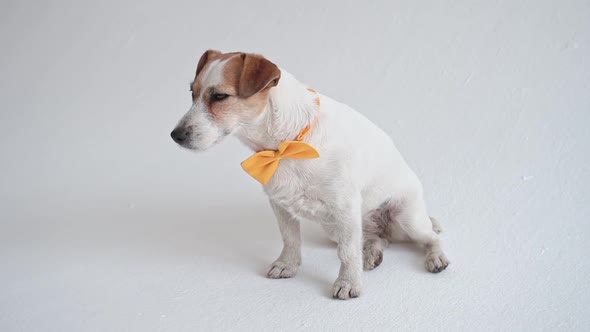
436,227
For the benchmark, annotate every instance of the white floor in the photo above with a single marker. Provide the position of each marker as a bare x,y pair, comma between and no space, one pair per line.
106,225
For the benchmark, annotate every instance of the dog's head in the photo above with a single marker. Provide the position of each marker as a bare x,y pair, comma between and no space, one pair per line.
229,90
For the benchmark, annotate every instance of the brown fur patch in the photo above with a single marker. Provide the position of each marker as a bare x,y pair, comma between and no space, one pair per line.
247,78
205,59
231,77
257,74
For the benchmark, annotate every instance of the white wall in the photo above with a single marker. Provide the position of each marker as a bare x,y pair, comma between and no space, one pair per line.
106,225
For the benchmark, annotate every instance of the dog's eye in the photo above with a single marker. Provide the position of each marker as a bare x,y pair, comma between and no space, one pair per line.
219,96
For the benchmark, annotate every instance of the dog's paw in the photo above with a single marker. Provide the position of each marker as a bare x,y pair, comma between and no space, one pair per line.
280,270
372,257
436,262
345,289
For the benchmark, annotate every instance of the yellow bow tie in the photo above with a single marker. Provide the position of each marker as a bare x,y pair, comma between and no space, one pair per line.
263,165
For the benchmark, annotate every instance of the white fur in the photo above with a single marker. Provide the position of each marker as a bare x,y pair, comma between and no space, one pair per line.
198,117
359,171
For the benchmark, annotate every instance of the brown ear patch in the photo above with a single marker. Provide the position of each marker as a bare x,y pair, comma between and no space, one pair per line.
257,74
207,57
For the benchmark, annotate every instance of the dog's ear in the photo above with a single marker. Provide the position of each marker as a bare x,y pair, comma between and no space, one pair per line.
257,74
209,55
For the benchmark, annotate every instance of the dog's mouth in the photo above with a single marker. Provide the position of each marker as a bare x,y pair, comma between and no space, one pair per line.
190,146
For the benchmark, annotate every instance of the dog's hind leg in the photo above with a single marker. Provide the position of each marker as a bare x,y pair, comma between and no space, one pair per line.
374,238
373,253
420,228
403,220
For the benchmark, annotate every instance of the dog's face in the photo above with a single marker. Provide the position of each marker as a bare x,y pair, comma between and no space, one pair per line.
229,90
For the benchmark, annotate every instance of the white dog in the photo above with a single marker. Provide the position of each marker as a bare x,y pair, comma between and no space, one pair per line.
360,189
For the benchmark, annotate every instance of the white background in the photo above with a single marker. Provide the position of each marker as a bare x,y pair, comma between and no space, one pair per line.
105,224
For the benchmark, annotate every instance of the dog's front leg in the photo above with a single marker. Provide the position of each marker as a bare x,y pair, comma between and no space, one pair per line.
348,222
287,264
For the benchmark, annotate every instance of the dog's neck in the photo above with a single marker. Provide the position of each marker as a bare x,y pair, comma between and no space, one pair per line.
291,107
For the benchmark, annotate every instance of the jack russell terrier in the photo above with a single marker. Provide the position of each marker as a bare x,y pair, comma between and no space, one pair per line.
317,159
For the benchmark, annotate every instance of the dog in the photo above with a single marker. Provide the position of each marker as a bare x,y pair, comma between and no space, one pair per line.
317,159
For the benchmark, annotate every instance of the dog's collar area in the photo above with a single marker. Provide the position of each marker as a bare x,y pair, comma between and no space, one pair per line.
262,165
307,128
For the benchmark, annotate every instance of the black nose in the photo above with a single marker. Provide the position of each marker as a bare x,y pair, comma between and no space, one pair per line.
180,134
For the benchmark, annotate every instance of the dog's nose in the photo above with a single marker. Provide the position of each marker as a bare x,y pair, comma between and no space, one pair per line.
180,134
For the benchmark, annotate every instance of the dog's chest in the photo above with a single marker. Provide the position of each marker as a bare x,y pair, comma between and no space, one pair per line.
301,203
297,198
